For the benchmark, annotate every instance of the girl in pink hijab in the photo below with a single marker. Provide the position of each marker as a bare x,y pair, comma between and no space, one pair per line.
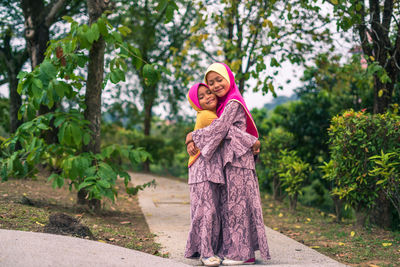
243,230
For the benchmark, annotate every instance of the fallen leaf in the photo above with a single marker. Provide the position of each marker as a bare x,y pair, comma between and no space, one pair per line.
373,265
308,219
72,199
125,222
315,247
102,241
271,205
386,244
352,233
24,194
341,244
280,215
297,226
275,229
41,224
311,232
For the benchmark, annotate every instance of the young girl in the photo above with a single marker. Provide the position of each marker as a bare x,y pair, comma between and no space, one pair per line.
205,177
243,230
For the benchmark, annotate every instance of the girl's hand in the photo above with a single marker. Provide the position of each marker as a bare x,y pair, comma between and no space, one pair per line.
256,147
191,149
190,146
189,138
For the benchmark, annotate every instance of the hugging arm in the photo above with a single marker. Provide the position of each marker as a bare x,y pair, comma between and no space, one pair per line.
208,139
241,141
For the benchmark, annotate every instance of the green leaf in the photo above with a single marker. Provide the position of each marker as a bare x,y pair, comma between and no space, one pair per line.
90,36
60,181
169,12
38,83
76,134
117,37
86,138
102,27
124,30
120,74
68,18
86,184
114,77
37,93
48,69
103,183
95,31
161,5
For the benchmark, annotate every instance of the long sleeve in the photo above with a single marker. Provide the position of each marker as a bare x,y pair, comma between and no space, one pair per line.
209,138
241,141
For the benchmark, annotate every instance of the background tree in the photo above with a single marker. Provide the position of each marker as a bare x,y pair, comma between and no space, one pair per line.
29,20
378,31
161,45
255,33
12,55
39,16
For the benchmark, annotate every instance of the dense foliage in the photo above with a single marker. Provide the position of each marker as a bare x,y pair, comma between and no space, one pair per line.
358,144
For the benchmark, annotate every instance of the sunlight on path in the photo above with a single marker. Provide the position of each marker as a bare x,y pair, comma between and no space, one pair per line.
167,212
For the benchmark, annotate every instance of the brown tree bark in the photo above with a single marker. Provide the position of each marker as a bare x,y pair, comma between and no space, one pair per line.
378,47
149,96
14,62
93,91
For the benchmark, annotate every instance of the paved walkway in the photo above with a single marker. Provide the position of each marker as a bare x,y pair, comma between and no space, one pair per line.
167,212
166,209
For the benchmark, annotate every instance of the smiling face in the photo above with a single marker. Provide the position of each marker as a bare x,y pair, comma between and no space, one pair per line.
218,84
207,99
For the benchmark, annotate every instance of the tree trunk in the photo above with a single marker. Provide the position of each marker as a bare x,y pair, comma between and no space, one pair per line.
148,95
277,192
338,207
15,102
381,214
293,202
13,61
93,91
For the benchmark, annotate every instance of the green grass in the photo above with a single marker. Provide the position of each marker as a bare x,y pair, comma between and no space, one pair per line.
344,241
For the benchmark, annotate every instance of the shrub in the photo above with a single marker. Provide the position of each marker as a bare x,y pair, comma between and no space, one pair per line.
355,137
386,167
277,139
292,173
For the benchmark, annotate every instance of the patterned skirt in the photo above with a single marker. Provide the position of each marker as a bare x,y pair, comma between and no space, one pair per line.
205,226
243,230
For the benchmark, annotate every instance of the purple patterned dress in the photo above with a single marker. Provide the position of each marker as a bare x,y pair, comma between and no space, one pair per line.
205,179
243,230
206,184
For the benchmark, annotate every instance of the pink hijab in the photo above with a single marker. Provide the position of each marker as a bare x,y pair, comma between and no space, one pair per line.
193,98
234,95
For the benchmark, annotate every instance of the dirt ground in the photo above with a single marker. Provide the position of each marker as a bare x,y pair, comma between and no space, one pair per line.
27,205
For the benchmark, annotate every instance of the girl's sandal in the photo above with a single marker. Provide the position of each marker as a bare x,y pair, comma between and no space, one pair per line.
229,262
211,261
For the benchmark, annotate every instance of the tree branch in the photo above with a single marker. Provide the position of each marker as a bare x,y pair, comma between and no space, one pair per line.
387,15
52,9
362,31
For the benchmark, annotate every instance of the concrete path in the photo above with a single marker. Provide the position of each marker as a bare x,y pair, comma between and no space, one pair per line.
167,212
21,249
